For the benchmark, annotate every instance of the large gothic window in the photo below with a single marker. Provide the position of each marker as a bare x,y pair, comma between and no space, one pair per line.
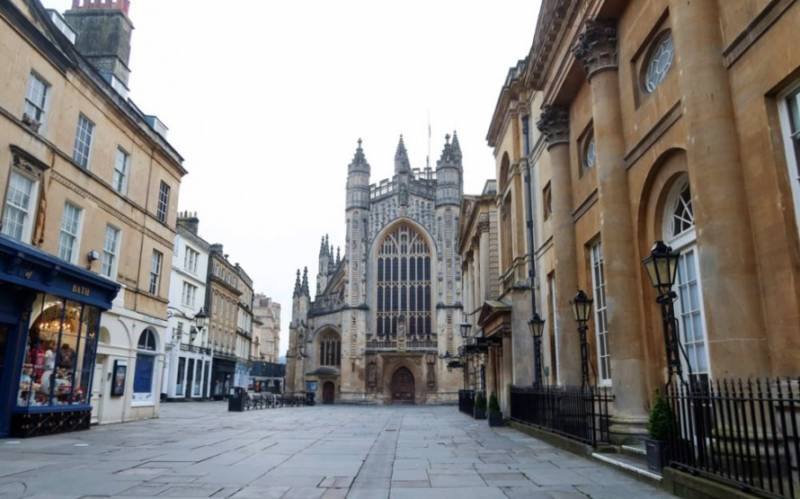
330,349
404,284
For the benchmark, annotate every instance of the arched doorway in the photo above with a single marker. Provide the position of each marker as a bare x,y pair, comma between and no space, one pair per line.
402,386
328,392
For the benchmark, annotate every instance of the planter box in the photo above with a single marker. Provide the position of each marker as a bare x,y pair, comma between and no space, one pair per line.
479,413
495,418
657,454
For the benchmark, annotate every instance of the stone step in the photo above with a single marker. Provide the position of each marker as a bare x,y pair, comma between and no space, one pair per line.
634,450
632,461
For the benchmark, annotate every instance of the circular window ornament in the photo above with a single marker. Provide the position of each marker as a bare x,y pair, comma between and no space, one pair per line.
589,153
659,62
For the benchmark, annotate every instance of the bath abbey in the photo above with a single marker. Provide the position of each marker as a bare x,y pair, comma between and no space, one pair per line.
387,310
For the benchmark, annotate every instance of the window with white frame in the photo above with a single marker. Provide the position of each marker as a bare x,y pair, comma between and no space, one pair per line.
790,123
155,272
18,212
83,141
680,234
163,202
600,314
189,294
36,98
110,252
190,258
121,166
69,236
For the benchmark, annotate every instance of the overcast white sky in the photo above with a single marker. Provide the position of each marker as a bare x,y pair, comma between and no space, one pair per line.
265,100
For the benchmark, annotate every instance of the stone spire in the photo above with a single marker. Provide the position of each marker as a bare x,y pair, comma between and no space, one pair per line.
456,148
401,163
297,288
359,162
304,286
322,247
338,255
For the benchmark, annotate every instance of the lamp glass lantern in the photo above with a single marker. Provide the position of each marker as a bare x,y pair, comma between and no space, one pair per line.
662,267
582,307
536,325
201,319
465,328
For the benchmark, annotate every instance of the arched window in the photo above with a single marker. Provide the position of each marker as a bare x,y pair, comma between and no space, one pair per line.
404,284
679,231
143,379
330,349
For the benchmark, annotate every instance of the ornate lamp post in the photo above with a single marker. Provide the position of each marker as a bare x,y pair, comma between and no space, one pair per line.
536,325
464,329
662,268
200,322
582,309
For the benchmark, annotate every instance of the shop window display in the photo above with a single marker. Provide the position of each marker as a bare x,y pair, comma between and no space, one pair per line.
59,353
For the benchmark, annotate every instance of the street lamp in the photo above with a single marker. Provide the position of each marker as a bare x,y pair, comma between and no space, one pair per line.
465,328
662,268
536,325
582,309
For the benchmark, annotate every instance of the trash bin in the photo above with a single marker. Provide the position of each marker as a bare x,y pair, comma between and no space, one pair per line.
236,399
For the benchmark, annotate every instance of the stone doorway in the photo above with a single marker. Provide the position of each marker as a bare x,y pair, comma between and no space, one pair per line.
402,386
328,392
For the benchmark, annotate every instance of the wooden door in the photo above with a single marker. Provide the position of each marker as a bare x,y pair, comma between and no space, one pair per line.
328,392
403,386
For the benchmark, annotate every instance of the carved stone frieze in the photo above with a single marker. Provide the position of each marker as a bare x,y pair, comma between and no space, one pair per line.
597,47
554,125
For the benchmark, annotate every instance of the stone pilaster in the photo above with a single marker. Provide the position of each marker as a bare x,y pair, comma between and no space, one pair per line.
727,261
554,124
597,50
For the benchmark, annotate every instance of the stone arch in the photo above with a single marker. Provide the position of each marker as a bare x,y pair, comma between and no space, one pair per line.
391,364
502,177
670,167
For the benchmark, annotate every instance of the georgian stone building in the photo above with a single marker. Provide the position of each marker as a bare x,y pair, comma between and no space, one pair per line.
390,306
222,304
658,120
90,181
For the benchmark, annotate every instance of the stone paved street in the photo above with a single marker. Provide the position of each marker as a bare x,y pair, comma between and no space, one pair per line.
200,450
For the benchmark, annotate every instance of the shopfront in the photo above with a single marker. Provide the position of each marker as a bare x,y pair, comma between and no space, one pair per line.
49,323
222,378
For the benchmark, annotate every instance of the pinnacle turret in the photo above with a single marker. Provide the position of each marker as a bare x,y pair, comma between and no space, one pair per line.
401,163
322,247
338,255
456,148
304,286
359,162
297,285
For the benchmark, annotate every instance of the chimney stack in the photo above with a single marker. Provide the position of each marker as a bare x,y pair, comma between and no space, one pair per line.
104,35
189,221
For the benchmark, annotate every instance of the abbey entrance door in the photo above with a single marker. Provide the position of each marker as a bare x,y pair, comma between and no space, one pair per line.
328,392
402,387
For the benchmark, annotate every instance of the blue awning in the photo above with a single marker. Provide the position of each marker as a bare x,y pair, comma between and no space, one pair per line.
30,267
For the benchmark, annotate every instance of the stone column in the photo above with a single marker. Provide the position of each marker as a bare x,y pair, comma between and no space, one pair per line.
483,254
554,124
597,49
727,261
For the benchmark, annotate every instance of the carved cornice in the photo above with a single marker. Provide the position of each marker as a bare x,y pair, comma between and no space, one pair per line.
554,125
597,47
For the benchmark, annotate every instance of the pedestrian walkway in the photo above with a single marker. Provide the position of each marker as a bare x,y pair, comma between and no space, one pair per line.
201,450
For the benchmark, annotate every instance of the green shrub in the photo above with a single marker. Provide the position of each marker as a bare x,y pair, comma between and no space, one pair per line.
480,401
494,406
661,419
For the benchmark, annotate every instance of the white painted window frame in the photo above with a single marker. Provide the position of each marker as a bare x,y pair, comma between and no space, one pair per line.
792,161
597,291
33,201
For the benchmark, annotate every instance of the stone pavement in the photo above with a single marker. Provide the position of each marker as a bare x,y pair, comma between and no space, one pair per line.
201,450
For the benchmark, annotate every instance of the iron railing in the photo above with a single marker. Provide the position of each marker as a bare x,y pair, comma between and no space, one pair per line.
466,401
743,433
573,412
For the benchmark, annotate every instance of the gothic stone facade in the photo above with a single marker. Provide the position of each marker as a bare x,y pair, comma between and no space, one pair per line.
386,311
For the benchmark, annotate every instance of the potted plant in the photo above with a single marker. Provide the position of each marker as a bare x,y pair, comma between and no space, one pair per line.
479,410
495,416
659,427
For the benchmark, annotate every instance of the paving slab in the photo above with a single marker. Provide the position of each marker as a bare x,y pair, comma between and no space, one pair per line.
198,449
